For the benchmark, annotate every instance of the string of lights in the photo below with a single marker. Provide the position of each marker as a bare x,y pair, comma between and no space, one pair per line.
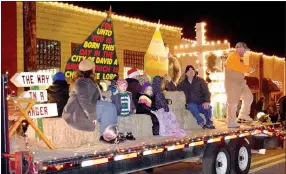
143,149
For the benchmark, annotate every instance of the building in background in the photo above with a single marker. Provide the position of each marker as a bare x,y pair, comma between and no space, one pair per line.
208,57
61,27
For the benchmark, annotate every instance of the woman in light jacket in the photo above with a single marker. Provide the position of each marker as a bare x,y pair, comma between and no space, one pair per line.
85,106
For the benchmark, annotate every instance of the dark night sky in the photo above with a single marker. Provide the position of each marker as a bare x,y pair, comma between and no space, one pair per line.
260,24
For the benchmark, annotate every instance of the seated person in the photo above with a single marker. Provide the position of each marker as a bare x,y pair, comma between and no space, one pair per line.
144,106
197,96
167,120
59,92
124,106
85,107
134,85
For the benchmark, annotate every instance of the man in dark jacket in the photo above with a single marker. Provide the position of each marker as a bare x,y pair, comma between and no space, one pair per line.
197,96
259,104
59,92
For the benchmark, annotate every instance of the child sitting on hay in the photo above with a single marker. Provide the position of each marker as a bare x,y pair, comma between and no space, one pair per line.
124,106
145,106
167,119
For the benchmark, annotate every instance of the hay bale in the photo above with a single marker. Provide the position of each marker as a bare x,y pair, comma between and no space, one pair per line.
184,117
62,135
141,125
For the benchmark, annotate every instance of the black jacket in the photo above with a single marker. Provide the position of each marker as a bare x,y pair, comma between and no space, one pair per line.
134,87
142,108
282,110
59,93
195,92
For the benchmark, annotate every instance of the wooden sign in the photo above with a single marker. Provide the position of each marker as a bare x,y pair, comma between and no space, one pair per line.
44,110
27,79
38,95
99,47
29,103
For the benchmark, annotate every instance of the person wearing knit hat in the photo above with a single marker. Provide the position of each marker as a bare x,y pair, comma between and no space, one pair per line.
145,106
144,86
124,106
197,96
134,85
59,76
132,73
85,107
59,92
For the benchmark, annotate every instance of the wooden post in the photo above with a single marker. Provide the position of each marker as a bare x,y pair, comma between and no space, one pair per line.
25,115
29,29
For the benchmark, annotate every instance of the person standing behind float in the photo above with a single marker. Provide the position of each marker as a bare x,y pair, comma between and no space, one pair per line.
85,106
236,87
59,92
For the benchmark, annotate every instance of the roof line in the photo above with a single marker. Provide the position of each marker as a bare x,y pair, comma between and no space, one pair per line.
100,13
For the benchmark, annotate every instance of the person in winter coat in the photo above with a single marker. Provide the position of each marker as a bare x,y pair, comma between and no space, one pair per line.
124,106
85,106
167,120
59,92
134,85
197,96
282,110
145,106
272,110
259,104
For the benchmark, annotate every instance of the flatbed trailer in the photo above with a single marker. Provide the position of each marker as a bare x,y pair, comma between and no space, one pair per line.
221,150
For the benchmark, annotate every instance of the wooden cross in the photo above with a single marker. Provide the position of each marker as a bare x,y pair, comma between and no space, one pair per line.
25,115
201,47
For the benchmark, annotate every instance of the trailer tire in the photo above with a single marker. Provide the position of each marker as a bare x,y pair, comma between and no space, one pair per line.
216,159
240,155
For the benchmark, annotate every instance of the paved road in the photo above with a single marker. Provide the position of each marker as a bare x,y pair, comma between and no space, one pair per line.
273,162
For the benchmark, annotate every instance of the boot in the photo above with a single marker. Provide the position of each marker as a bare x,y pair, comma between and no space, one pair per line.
120,138
129,136
245,118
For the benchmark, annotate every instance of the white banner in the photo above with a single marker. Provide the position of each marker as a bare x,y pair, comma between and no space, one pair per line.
27,79
44,110
38,95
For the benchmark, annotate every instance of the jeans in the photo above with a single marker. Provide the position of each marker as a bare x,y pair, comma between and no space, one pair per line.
106,115
196,109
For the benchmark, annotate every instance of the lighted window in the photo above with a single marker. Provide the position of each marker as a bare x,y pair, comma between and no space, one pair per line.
49,54
134,59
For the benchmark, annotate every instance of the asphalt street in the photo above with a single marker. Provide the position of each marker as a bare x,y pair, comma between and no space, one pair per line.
272,162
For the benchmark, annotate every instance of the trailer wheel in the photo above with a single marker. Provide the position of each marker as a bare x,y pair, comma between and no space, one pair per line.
240,155
216,160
